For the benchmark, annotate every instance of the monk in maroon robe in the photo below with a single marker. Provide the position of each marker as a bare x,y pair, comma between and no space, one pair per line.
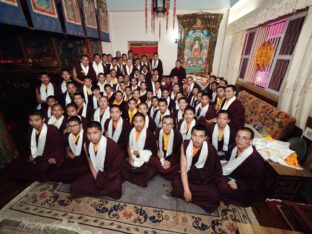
83,69
45,151
200,167
178,71
169,142
75,163
84,110
141,148
118,129
221,135
149,122
46,108
58,119
205,111
234,107
105,164
244,173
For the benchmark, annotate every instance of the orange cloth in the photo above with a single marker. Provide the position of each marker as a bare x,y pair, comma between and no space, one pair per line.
220,134
137,134
76,138
166,141
219,103
96,147
238,152
292,160
131,114
117,103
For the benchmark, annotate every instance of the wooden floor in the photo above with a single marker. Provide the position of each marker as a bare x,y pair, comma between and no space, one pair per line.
10,188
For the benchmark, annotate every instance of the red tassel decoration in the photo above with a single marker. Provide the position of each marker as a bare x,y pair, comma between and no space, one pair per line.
167,13
159,29
174,12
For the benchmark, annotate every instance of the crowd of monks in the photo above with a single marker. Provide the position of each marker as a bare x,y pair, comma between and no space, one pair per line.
117,119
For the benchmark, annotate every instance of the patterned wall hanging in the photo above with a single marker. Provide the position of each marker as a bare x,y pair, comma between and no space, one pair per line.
103,20
72,18
12,13
44,15
90,19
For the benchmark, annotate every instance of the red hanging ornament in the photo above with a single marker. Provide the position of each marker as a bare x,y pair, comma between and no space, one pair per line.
167,13
159,29
174,12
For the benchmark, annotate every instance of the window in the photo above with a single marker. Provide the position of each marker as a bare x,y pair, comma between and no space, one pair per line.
268,50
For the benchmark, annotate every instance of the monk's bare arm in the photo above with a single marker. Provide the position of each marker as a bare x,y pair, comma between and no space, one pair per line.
184,171
75,77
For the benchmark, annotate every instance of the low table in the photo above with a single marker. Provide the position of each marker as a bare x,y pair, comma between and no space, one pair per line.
284,182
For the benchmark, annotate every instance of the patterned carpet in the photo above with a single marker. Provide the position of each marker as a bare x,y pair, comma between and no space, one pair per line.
48,208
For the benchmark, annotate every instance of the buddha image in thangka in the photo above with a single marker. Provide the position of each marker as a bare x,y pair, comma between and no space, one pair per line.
196,48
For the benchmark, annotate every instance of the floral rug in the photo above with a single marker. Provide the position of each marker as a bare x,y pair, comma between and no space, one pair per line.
49,205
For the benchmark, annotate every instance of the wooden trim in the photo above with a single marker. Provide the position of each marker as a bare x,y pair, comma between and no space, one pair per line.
258,92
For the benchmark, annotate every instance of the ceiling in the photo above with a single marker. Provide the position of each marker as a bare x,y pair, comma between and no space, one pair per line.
139,5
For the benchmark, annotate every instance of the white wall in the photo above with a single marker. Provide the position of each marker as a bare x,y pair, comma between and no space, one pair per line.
130,26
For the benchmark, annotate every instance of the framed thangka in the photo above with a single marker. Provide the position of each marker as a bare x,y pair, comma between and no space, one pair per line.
196,49
198,39
44,7
90,18
103,20
72,17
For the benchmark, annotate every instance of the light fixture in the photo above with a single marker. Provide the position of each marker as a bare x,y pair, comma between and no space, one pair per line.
160,6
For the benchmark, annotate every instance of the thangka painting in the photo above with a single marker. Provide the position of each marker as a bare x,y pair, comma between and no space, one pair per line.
103,15
196,49
71,11
198,33
44,7
89,13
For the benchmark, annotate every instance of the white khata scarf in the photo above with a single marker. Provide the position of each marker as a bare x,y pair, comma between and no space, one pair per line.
226,137
85,70
228,103
158,118
98,68
160,145
49,112
146,121
76,148
46,91
97,117
95,102
84,110
67,99
203,111
180,115
187,135
63,86
98,159
37,150
138,145
234,163
115,136
56,122
202,157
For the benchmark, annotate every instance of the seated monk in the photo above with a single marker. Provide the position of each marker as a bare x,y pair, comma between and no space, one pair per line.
118,129
141,147
205,111
169,144
58,119
149,122
105,163
200,167
185,126
243,174
220,134
45,150
75,163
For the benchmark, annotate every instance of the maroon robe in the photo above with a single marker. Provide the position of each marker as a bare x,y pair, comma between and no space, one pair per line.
80,75
124,135
63,124
151,124
173,158
141,175
36,170
201,181
108,182
210,114
210,128
159,67
236,114
249,177
89,114
179,72
131,75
